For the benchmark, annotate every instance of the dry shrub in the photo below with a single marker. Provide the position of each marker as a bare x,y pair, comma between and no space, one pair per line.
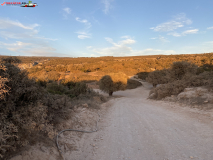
11,60
168,89
179,69
131,84
113,82
3,79
106,84
181,75
143,75
55,88
21,114
119,81
75,88
158,77
176,72
53,76
27,111
43,76
176,87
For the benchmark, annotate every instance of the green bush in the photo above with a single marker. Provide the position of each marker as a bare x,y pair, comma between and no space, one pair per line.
72,89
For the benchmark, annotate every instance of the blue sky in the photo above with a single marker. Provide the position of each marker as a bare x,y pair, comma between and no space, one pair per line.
87,28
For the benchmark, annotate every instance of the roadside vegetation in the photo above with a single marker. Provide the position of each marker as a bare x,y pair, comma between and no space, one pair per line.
178,77
30,111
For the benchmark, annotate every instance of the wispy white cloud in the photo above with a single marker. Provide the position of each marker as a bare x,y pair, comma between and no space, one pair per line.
161,38
126,37
107,5
122,48
16,30
179,21
50,39
14,46
84,21
175,34
85,33
210,27
28,48
191,31
66,12
6,23
26,37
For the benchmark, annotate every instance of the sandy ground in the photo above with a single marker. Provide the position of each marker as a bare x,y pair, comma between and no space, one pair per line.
135,128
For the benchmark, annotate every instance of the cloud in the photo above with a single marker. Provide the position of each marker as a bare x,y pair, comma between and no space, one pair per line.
179,21
16,30
83,36
107,5
51,39
85,33
192,31
210,27
161,38
122,48
26,37
66,12
175,34
6,23
84,21
14,46
33,48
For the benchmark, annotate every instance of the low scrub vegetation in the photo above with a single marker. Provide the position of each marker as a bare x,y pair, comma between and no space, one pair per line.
92,69
174,80
32,109
132,84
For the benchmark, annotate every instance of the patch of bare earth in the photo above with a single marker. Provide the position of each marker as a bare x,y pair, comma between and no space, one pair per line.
82,118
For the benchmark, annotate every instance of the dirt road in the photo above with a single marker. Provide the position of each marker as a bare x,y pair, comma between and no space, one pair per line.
139,129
